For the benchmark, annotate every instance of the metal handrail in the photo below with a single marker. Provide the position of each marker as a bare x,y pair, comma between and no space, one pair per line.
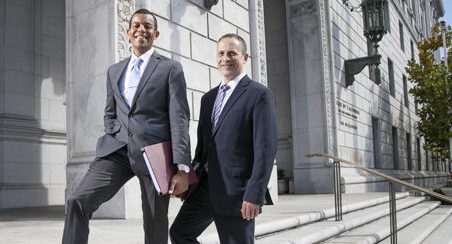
391,180
387,177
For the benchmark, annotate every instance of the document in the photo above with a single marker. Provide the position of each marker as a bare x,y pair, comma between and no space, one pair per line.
159,161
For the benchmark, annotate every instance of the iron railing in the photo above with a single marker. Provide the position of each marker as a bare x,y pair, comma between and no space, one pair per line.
391,180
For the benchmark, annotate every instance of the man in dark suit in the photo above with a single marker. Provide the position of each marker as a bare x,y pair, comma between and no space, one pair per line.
236,148
146,104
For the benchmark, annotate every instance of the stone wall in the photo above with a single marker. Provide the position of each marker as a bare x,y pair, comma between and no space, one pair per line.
188,34
278,79
32,97
364,100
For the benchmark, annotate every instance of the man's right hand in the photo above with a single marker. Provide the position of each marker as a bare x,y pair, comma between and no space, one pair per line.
182,196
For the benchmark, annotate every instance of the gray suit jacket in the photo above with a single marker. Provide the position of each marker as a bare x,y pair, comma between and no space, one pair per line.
159,112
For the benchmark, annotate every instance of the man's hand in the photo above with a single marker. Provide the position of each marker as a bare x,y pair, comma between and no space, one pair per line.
249,210
179,183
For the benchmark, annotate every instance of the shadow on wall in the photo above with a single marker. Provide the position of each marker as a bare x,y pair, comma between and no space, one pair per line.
49,101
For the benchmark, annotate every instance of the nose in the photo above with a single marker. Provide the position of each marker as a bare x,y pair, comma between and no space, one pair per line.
225,58
141,28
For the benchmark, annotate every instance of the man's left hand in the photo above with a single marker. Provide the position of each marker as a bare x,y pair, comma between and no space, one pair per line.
179,183
249,210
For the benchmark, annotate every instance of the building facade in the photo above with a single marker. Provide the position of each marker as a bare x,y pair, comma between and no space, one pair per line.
55,54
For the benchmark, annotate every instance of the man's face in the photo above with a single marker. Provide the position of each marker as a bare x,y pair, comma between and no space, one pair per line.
142,33
230,58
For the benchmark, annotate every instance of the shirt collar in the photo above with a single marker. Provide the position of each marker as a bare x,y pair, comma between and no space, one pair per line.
233,83
145,57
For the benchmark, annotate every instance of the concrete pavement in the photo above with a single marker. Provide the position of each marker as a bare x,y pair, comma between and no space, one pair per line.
45,225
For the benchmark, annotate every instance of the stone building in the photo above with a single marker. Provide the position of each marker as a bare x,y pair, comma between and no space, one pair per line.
54,55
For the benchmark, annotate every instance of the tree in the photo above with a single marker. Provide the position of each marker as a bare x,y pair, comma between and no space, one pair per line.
432,91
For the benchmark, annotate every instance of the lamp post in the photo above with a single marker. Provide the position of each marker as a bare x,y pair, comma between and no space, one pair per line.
208,4
375,26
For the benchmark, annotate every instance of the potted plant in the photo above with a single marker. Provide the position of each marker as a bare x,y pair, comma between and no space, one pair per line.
282,181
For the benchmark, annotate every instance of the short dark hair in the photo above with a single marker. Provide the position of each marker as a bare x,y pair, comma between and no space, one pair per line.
144,11
238,38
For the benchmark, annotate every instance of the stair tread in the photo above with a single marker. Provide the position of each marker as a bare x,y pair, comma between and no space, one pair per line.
442,234
268,224
380,229
319,231
422,227
310,217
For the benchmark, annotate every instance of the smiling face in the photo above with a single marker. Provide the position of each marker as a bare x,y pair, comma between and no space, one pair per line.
142,33
231,58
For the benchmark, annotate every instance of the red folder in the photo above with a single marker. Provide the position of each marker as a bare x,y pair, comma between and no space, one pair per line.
159,161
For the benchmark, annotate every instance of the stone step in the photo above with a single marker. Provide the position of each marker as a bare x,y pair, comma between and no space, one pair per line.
442,234
299,220
417,231
380,229
320,231
268,227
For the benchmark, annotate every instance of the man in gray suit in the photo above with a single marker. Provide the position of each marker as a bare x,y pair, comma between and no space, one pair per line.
146,104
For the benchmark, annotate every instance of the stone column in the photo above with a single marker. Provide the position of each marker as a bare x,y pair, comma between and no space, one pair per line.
32,112
311,93
95,40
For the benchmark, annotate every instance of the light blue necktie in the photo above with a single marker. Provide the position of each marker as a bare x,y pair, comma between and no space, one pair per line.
217,106
134,79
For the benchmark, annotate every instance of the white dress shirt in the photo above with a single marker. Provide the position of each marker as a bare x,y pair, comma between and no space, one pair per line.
124,81
232,84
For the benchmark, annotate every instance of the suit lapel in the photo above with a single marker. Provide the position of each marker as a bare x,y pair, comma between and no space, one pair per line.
116,75
238,91
152,64
210,101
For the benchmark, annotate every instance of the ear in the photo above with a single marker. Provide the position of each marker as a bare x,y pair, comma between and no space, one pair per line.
156,34
128,38
245,57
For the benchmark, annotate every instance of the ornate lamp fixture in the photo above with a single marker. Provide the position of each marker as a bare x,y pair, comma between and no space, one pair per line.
209,3
375,26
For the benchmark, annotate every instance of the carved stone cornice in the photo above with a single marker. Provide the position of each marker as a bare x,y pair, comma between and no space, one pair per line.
302,9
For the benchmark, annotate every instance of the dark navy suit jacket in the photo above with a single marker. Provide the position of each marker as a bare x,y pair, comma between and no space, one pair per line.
241,150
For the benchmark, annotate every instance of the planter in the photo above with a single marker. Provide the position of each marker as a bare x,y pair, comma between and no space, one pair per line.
283,186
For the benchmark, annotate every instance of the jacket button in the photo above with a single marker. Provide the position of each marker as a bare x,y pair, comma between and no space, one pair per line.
130,134
130,115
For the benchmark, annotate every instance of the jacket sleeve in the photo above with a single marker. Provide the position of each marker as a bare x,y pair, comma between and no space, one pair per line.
179,115
264,147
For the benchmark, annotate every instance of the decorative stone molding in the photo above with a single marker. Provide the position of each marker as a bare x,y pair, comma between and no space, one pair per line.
125,8
258,49
328,91
302,8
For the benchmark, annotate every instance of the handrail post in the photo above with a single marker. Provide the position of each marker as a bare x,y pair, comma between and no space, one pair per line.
392,212
337,190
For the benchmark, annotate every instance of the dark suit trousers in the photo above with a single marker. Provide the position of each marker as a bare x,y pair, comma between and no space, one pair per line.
104,178
196,215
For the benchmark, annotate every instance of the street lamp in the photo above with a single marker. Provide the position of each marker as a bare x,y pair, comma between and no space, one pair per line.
208,4
375,26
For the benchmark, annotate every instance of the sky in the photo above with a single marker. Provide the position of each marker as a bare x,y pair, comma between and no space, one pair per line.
447,12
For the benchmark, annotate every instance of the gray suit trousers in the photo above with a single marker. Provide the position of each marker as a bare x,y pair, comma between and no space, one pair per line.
104,178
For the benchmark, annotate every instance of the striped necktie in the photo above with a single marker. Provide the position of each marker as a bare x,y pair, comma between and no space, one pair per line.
218,104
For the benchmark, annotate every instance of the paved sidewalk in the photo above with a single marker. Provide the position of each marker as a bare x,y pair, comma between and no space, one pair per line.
45,225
